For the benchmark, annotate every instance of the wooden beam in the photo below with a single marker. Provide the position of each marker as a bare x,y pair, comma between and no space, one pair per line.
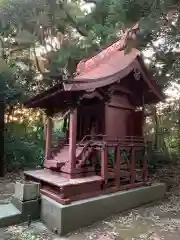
91,95
117,105
119,88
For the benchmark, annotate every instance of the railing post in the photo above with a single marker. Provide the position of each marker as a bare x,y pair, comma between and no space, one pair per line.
72,138
49,126
104,164
117,165
132,165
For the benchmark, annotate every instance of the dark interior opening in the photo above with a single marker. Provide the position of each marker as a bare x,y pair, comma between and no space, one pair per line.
91,118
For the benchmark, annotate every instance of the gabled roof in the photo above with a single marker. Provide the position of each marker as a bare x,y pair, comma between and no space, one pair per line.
113,69
106,67
112,64
106,71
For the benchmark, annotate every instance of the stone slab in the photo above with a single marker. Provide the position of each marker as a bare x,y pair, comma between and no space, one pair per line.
66,218
28,209
9,215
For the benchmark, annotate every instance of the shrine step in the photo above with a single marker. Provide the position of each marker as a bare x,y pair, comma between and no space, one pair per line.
9,215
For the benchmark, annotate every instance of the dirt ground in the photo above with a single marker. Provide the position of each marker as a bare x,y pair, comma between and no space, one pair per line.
158,221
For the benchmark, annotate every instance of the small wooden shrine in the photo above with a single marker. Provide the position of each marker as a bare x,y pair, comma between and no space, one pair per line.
104,107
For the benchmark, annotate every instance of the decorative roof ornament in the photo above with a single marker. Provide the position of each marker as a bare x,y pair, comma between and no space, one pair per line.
137,74
88,64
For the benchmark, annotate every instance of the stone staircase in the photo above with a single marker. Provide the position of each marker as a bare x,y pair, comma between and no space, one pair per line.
14,211
9,215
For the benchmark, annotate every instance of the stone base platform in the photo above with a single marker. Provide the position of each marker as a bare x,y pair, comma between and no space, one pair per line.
67,218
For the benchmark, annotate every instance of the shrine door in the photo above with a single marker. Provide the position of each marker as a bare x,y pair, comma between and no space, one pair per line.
135,123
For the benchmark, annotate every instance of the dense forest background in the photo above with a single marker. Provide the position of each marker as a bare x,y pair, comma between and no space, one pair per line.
44,39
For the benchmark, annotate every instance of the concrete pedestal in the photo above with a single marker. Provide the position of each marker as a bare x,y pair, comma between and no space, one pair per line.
67,218
29,209
27,191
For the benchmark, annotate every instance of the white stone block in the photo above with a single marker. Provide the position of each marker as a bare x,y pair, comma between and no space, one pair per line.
26,191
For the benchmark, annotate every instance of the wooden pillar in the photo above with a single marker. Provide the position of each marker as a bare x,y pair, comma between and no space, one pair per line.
117,166
72,138
104,164
49,126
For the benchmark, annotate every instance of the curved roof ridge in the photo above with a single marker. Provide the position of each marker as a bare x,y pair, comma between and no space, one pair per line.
88,64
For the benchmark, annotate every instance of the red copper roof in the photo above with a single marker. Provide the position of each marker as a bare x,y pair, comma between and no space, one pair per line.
108,70
93,62
108,66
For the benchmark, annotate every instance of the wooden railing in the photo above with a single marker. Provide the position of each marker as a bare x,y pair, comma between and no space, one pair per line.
99,142
84,154
131,143
90,137
86,144
84,148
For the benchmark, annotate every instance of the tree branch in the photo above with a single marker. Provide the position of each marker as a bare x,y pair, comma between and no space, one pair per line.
71,19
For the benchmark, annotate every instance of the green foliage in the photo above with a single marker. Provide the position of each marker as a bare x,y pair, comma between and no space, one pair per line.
23,145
